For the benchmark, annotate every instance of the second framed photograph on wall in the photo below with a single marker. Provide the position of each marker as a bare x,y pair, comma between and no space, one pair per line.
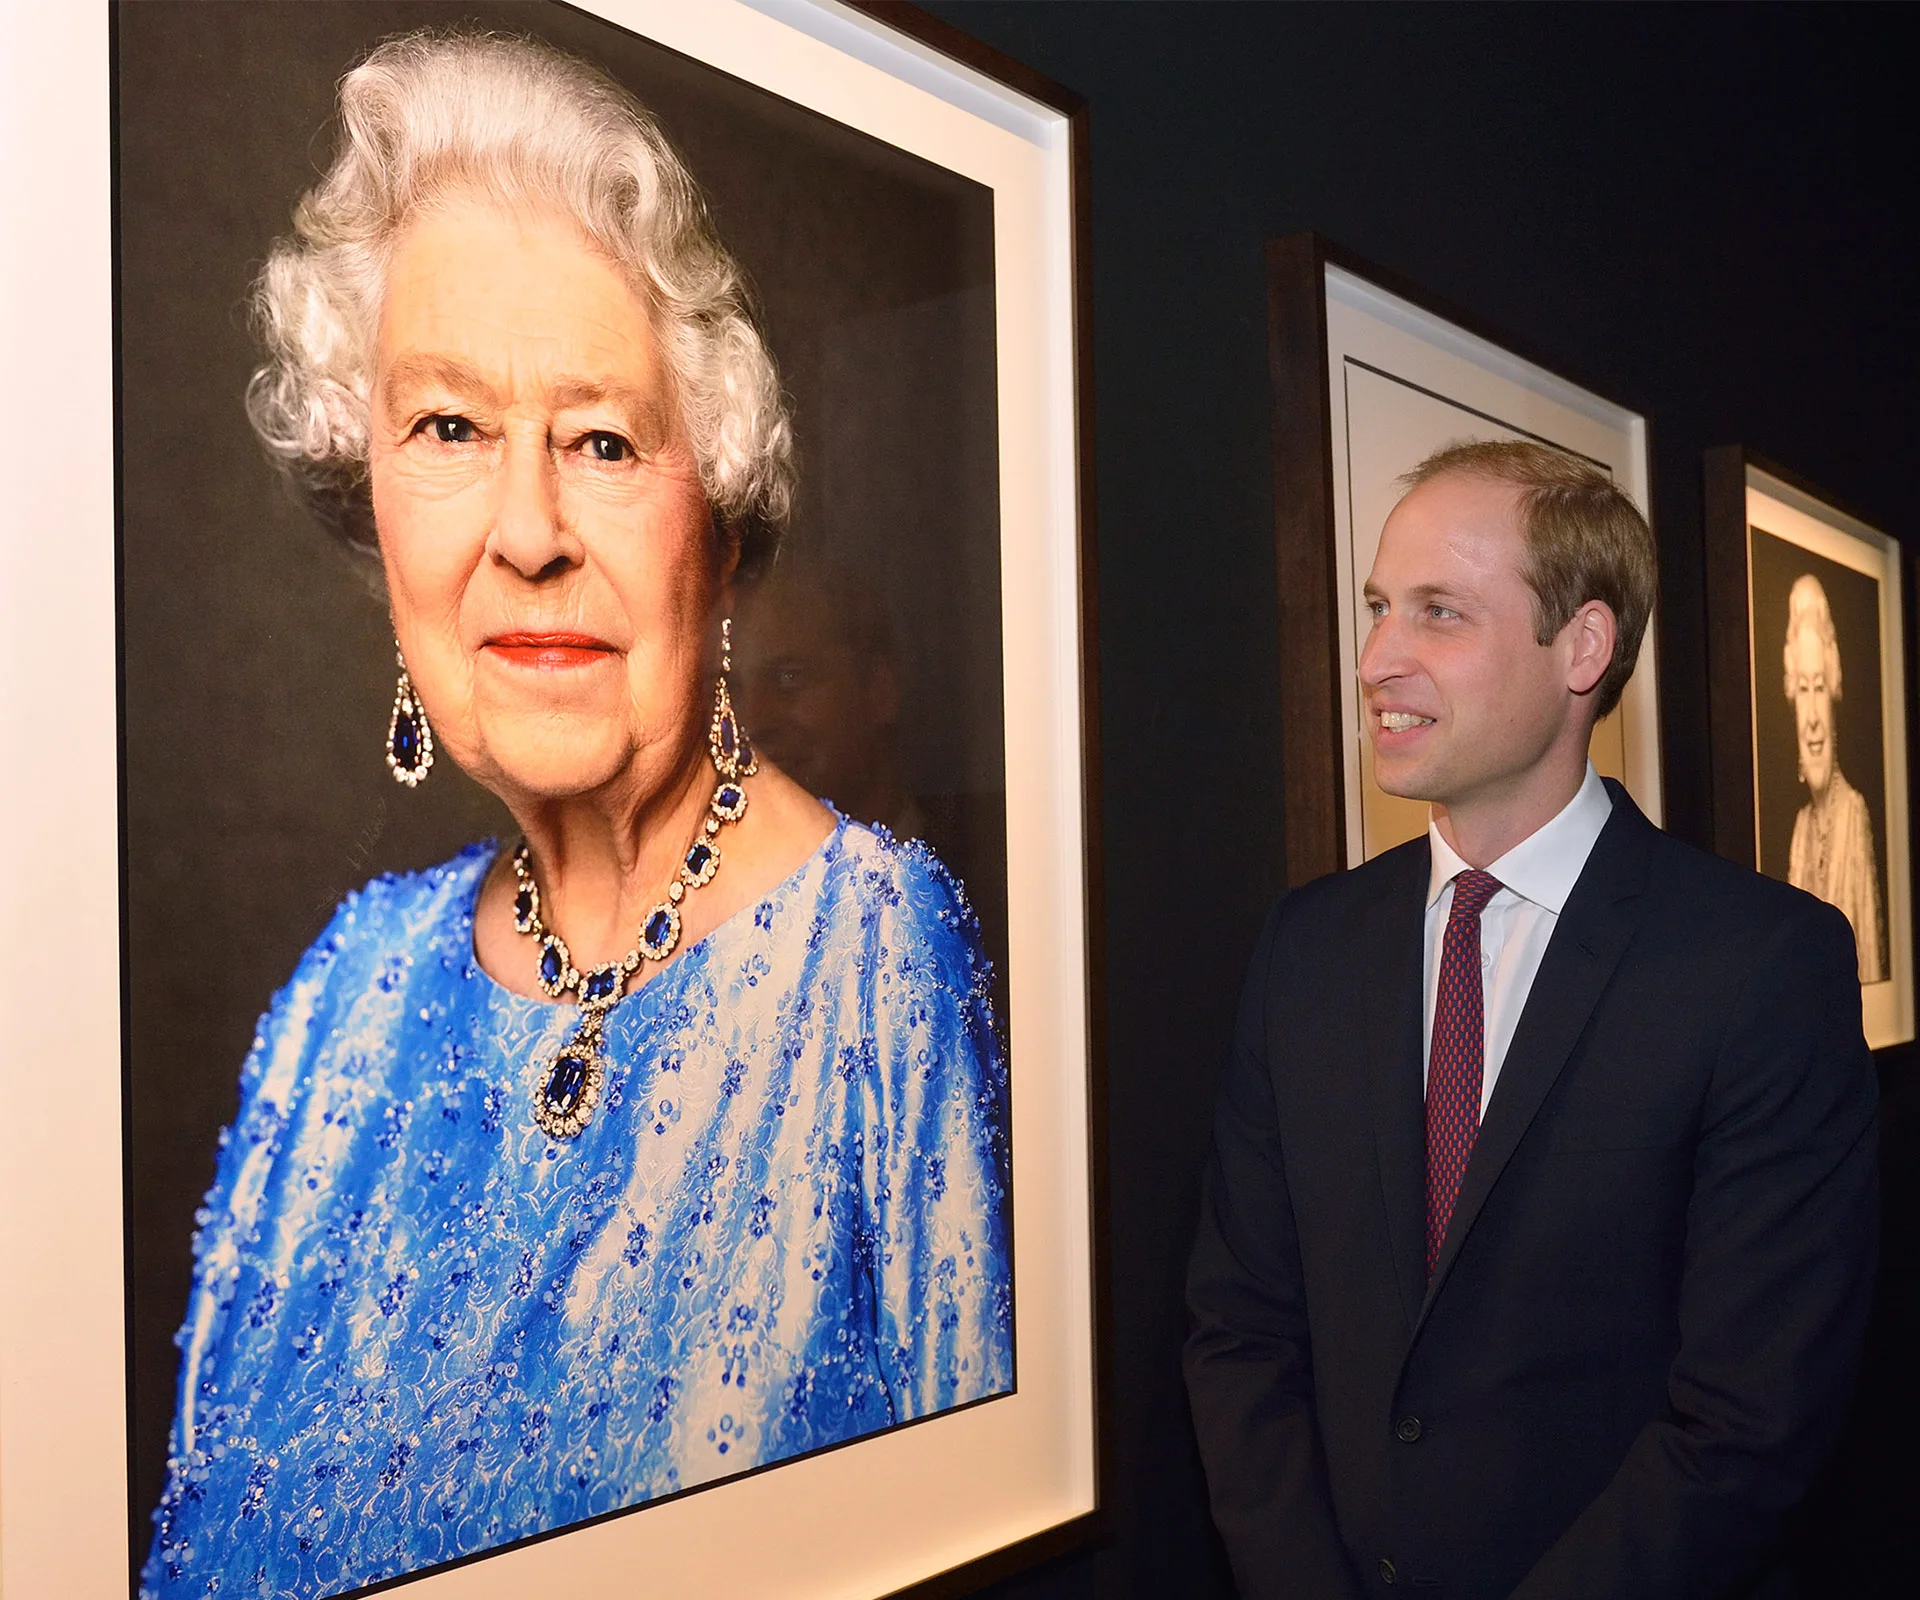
1807,640
1369,378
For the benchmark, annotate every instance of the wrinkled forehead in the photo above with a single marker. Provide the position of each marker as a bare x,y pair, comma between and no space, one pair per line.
493,286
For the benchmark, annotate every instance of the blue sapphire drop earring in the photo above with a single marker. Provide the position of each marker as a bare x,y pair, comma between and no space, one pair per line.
727,741
409,735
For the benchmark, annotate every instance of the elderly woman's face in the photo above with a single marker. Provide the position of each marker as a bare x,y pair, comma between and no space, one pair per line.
549,553
1812,708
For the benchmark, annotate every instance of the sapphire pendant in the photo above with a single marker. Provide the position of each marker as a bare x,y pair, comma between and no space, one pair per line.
569,1086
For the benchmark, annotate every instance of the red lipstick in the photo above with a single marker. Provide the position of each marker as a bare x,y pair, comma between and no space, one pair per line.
550,651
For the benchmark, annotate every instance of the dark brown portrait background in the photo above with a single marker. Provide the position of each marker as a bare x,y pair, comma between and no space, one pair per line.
1859,736
258,660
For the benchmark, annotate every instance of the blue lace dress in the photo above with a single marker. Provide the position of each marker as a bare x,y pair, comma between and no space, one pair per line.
420,1328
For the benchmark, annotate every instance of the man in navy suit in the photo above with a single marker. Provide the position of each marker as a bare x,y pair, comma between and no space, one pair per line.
1538,1234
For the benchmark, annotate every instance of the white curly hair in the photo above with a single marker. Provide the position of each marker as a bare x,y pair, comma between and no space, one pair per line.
1807,608
436,114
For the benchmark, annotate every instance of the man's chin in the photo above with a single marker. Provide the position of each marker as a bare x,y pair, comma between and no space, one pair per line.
1403,782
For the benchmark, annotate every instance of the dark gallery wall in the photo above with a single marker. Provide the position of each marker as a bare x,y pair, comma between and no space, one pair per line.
1704,214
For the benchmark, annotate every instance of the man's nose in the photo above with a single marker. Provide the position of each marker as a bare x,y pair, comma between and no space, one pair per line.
1382,653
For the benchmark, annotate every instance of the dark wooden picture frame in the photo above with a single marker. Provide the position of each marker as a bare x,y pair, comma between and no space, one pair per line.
1741,491
1312,771
1310,487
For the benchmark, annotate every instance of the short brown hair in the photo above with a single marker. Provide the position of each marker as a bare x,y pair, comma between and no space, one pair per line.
1585,541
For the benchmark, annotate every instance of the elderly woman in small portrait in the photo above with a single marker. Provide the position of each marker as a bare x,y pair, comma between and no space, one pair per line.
669,1139
1832,851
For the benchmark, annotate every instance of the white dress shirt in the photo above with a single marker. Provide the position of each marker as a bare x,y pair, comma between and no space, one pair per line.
1536,876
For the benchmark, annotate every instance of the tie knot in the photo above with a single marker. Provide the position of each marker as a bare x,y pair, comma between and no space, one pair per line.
1472,890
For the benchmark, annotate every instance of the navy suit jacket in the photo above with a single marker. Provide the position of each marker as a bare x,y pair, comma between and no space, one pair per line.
1645,1323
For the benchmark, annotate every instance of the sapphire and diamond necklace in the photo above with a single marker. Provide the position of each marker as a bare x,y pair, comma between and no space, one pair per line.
567,1088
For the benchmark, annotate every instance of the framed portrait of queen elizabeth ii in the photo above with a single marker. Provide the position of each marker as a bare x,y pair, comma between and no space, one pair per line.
1807,640
600,1076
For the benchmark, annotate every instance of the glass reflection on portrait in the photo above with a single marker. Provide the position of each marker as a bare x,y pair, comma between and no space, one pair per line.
822,686
1832,853
820,683
526,1216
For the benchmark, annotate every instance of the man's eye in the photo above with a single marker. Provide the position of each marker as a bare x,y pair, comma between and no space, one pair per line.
607,447
450,430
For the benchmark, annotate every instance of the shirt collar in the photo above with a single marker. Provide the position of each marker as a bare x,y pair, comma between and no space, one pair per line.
1544,866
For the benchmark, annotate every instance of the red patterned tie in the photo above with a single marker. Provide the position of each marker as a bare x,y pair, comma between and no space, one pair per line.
1457,1062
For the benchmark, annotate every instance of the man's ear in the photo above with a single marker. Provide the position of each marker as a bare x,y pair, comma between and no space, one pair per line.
1591,632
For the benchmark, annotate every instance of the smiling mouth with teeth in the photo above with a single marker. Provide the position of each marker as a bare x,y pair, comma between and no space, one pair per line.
1400,721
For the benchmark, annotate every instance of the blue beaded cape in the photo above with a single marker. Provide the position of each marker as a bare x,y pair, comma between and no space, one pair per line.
419,1328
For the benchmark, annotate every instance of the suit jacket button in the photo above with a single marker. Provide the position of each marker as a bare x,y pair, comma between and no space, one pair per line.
1387,1574
1407,1429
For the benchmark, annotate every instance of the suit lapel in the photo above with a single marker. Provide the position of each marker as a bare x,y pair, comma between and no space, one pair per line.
1594,929
1390,1045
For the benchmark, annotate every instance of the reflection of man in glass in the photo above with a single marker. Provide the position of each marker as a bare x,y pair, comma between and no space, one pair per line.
822,686
820,689
1832,852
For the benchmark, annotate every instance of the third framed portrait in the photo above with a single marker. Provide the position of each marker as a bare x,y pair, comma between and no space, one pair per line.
1806,614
